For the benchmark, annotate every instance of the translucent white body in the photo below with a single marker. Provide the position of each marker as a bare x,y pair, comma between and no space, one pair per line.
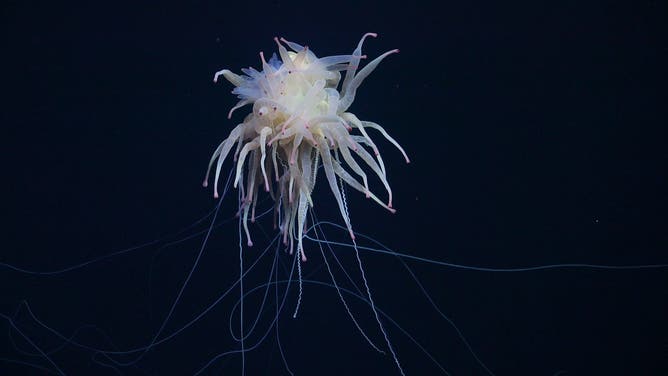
299,119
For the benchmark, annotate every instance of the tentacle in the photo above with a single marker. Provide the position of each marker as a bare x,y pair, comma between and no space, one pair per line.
387,136
331,178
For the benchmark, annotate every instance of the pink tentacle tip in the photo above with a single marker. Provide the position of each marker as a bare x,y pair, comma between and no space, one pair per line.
303,257
215,194
395,51
371,35
393,210
205,183
250,243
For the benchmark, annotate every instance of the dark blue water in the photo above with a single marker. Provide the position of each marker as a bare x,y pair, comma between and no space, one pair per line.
537,136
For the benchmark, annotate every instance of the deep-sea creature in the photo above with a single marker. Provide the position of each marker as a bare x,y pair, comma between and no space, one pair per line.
300,118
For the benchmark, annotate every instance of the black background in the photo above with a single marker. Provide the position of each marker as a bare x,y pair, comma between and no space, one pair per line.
537,136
